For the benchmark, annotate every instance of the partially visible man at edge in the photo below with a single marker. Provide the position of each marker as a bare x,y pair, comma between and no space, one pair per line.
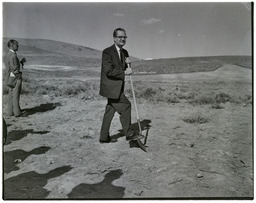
13,69
113,70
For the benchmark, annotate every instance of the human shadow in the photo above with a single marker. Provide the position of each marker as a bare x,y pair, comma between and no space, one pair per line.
19,134
102,190
30,185
42,108
12,158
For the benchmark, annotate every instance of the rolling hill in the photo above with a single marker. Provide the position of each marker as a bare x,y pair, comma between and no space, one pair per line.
49,52
55,53
190,64
42,46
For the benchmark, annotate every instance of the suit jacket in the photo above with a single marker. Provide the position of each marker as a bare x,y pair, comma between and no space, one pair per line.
12,64
112,73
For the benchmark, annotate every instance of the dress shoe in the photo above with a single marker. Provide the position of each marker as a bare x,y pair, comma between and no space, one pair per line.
134,137
110,140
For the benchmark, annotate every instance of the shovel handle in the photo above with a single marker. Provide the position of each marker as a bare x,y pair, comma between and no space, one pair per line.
135,105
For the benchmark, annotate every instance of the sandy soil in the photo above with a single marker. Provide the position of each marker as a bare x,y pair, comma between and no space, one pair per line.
55,153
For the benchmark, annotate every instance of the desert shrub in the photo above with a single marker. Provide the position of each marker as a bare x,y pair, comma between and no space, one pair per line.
152,94
222,98
218,98
196,118
81,89
61,88
196,94
203,99
71,90
171,98
142,92
161,89
185,95
217,106
31,86
247,99
148,93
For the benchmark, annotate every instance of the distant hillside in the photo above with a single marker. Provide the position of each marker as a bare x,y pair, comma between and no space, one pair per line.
49,52
190,64
42,46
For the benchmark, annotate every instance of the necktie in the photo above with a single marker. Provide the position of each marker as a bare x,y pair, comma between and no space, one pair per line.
122,57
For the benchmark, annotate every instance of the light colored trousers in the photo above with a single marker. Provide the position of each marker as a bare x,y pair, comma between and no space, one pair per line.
14,99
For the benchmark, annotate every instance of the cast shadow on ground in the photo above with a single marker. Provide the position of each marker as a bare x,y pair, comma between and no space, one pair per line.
12,158
102,190
42,108
30,185
19,134
145,126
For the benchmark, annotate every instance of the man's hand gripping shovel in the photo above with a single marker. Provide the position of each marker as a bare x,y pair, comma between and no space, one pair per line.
142,146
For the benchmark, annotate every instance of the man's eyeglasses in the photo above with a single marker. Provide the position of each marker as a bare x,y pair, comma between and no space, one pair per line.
120,37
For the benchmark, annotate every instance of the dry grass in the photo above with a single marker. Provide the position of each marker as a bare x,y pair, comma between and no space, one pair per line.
196,118
59,87
211,93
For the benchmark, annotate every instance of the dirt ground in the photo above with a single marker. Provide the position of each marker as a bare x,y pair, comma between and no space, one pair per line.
54,152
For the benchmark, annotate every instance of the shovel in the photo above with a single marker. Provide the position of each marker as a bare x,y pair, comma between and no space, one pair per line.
138,118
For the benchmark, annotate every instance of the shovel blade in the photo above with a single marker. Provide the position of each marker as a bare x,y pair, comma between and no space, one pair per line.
141,146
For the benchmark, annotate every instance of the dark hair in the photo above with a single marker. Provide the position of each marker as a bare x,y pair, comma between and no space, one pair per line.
11,42
118,29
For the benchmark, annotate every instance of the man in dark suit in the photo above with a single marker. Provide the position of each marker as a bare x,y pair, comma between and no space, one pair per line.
13,69
113,70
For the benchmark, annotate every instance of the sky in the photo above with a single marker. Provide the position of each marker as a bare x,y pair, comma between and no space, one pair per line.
154,30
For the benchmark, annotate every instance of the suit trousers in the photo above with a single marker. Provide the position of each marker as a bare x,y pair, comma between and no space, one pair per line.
14,99
123,107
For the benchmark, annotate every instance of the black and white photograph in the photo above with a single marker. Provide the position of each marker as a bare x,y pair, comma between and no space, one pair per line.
127,101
